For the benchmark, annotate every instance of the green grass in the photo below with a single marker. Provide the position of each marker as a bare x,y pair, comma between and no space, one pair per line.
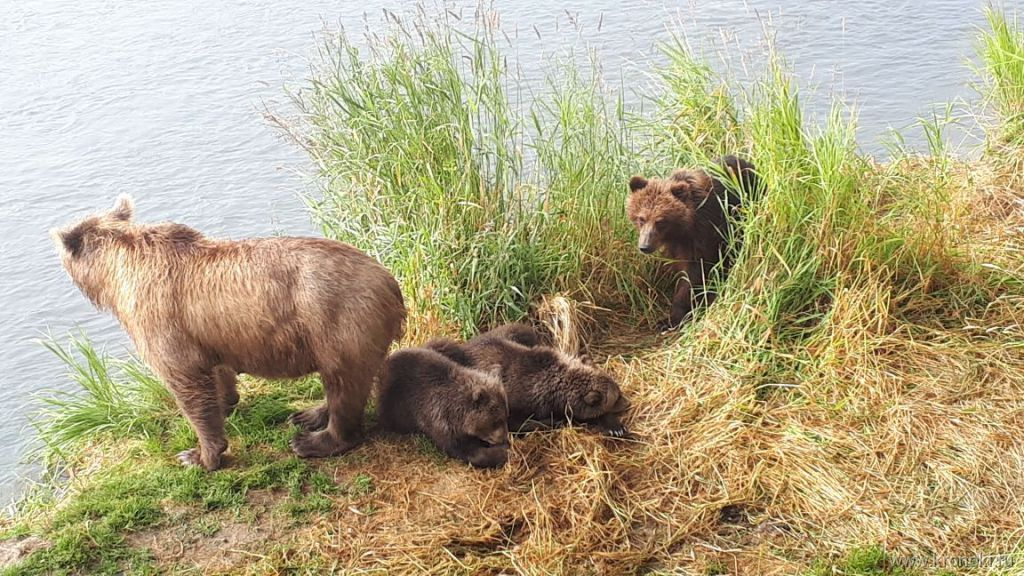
697,116
117,397
120,404
467,199
863,561
89,534
1002,52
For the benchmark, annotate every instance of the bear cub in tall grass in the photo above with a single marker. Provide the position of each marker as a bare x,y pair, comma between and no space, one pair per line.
462,409
545,388
201,310
687,215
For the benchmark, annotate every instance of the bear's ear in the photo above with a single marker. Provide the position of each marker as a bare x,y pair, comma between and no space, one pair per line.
124,208
680,175
478,396
637,183
494,370
585,359
71,240
681,190
593,398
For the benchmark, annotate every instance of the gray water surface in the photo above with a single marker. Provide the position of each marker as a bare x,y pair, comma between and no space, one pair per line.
162,99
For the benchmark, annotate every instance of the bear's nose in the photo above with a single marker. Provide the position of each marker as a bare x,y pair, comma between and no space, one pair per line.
646,249
498,438
621,405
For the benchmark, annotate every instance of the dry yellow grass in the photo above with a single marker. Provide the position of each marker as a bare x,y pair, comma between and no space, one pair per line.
903,434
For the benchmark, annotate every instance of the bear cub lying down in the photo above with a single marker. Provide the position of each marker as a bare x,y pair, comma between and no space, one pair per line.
466,397
462,409
545,387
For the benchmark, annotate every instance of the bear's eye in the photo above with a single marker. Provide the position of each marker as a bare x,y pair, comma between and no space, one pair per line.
659,223
641,221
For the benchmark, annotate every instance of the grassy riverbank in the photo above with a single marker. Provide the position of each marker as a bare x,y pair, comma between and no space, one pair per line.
852,402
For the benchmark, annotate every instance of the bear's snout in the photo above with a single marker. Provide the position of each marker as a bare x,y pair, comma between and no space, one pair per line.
647,240
497,438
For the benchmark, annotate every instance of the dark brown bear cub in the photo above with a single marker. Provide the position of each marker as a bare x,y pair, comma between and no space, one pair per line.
686,215
462,409
545,388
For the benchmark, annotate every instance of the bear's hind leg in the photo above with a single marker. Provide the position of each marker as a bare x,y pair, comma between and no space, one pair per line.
347,389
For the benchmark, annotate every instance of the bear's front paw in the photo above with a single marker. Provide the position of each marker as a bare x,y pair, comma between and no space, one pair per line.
620,432
494,456
610,425
668,325
194,457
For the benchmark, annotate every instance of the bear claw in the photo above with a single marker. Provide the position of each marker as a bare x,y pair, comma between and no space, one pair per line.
666,326
190,457
311,419
618,432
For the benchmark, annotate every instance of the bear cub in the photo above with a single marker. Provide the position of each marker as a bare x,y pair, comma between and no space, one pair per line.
687,215
545,388
461,409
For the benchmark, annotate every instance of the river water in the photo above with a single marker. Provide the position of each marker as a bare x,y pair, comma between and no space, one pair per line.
162,99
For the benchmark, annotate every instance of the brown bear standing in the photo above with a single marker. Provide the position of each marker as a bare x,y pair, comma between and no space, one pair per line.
686,215
201,310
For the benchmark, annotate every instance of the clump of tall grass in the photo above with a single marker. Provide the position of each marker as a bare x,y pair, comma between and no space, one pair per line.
116,397
477,205
1002,55
697,117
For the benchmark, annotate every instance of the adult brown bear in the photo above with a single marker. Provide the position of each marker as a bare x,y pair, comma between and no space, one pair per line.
687,216
201,310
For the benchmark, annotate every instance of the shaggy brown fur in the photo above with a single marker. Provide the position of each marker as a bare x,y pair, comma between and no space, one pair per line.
463,410
519,333
201,310
545,387
316,418
686,215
